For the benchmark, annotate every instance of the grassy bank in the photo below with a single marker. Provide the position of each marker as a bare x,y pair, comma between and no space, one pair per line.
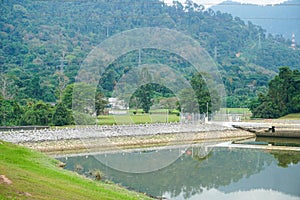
291,116
27,174
137,118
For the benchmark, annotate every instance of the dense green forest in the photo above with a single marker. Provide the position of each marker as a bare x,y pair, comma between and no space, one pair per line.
43,44
283,96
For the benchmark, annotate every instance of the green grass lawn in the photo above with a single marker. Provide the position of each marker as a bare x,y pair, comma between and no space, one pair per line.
158,116
36,176
291,116
137,118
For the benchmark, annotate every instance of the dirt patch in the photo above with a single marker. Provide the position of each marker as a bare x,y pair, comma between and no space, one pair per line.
61,164
25,194
5,180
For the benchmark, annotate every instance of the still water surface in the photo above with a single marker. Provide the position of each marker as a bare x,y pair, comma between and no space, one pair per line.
223,173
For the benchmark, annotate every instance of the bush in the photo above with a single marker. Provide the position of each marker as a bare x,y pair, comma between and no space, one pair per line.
83,119
62,116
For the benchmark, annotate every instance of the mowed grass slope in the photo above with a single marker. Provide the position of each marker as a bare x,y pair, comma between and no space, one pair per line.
34,175
291,116
137,119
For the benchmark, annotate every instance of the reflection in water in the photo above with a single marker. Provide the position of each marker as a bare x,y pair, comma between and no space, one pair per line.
142,161
276,141
222,174
286,158
215,194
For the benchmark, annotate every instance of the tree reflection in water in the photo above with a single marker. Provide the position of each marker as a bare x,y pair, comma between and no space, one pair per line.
191,174
286,158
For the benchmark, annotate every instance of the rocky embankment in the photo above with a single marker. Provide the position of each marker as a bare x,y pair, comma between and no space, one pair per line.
128,136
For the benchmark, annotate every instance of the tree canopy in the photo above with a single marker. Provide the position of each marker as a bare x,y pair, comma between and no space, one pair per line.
283,96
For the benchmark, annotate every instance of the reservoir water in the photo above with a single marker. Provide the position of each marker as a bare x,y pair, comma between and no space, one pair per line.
220,173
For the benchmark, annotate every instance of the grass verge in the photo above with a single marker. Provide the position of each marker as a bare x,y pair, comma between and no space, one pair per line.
291,116
137,119
34,175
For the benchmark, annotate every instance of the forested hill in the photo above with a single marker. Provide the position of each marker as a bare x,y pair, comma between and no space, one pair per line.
44,41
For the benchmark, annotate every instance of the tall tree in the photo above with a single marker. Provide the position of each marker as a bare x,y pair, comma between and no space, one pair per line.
282,98
100,103
201,92
10,112
37,113
62,115
144,95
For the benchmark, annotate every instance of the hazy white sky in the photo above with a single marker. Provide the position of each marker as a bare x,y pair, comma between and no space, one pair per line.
209,3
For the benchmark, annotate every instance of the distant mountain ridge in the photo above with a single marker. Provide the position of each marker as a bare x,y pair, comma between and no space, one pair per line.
282,19
209,3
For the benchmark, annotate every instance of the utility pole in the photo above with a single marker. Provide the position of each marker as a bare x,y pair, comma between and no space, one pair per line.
259,41
215,53
140,60
62,62
206,118
62,79
167,116
107,25
207,108
293,45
